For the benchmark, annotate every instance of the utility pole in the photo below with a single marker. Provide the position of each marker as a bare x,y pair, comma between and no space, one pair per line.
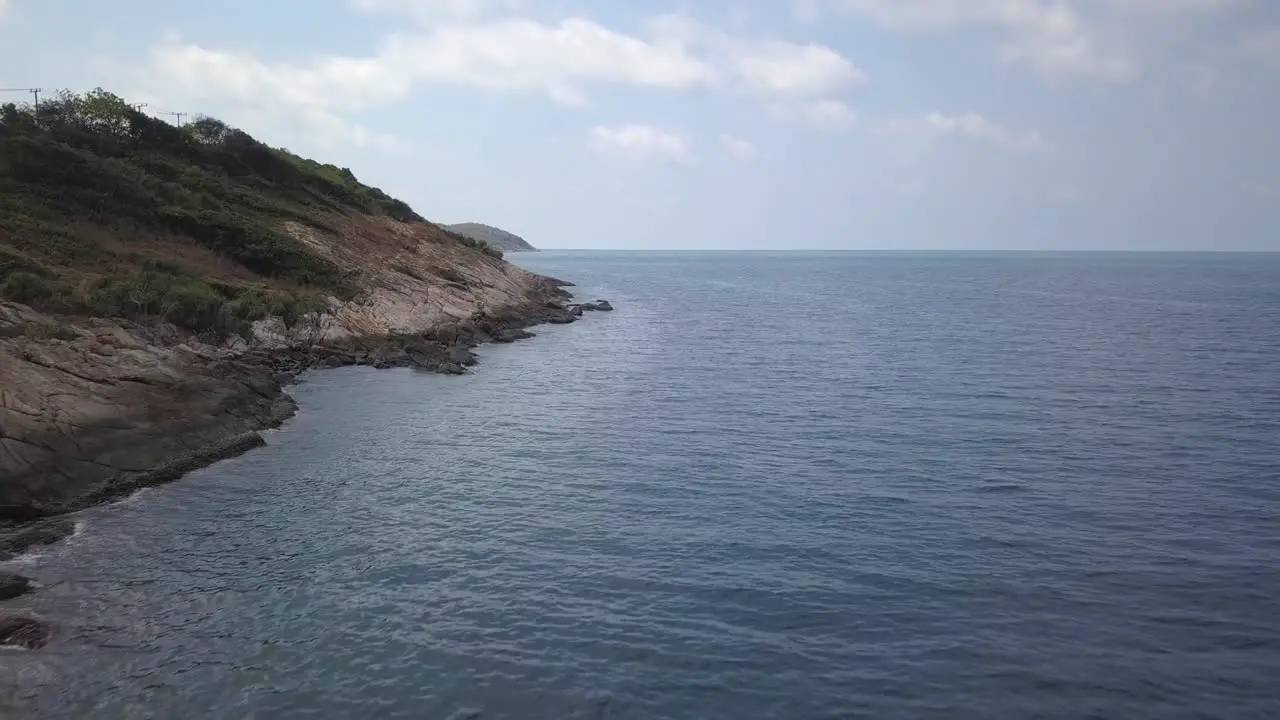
35,94
178,115
137,107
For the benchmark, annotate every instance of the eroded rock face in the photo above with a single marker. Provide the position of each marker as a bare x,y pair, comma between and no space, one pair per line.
77,414
98,408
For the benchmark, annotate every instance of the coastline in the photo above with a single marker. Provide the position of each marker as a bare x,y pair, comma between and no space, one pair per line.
34,511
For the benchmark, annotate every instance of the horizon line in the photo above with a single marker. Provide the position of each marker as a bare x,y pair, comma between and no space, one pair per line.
1226,251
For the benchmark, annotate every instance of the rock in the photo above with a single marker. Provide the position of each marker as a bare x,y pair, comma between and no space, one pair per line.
124,403
24,632
604,306
39,534
511,335
462,356
13,585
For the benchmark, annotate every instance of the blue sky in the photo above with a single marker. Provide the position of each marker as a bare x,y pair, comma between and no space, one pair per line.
995,124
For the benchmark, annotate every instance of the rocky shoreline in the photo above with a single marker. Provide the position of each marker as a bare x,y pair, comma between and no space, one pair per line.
243,394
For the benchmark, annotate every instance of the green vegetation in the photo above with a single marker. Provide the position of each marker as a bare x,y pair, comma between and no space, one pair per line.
93,193
40,331
210,308
492,236
474,243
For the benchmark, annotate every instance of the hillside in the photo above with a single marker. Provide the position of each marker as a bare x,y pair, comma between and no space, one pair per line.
493,237
159,286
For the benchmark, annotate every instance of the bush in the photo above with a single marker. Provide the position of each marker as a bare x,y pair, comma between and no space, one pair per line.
31,289
94,159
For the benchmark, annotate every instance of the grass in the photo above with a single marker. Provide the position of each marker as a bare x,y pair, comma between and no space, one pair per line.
216,310
41,331
473,243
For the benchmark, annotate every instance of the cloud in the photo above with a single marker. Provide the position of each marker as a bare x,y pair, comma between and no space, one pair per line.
477,44
4,10
639,143
740,149
1106,40
315,100
826,114
785,68
925,130
559,60
427,11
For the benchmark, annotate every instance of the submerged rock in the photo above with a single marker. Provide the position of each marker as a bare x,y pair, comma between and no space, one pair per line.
44,533
462,355
24,632
511,335
13,585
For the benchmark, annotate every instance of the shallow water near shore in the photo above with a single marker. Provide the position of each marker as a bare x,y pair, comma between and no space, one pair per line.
794,485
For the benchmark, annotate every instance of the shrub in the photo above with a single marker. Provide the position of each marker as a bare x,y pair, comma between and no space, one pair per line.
31,289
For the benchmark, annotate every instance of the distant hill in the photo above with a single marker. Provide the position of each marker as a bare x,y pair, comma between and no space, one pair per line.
492,236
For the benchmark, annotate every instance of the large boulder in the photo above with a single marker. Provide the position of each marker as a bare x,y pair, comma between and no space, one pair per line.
13,585
17,542
23,632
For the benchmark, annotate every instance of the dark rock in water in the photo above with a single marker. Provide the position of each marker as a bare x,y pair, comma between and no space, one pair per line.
511,335
46,533
23,632
575,310
462,356
12,586
563,316
604,306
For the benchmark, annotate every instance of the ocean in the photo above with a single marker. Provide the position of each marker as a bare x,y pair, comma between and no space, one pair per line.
769,485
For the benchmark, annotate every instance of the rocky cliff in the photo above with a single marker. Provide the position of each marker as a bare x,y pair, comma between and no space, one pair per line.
160,285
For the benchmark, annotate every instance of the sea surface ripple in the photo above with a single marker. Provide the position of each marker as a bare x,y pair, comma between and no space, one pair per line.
784,486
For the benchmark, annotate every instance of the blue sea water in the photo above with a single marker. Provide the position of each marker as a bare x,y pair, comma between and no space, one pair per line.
791,485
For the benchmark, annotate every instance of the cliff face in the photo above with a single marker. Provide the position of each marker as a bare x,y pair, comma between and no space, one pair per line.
494,237
159,286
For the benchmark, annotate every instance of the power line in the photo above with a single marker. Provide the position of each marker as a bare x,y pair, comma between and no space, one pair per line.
178,115
35,94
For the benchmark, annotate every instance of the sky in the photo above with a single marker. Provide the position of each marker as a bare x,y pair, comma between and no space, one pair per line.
779,124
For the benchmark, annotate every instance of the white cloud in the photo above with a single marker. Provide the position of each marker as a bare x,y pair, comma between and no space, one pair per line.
1108,40
786,68
740,149
639,142
477,44
926,129
826,114
431,10
558,60
314,100
4,10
